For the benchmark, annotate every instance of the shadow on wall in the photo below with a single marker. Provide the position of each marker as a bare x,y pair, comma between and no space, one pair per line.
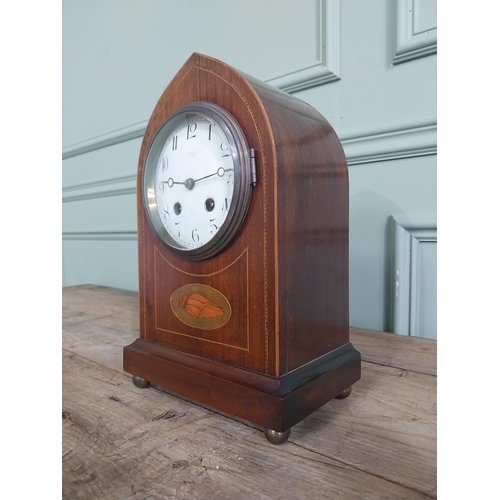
370,259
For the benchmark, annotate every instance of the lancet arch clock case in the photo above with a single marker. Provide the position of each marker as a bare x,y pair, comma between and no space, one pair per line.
242,202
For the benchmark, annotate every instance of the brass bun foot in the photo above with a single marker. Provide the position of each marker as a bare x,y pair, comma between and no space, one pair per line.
276,437
344,393
140,382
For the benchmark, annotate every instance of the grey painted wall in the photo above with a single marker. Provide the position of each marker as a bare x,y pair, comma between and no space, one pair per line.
368,66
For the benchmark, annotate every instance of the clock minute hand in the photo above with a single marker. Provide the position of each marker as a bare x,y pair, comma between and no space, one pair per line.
206,177
220,172
189,183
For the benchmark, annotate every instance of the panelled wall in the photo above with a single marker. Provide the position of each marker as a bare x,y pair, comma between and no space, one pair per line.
369,66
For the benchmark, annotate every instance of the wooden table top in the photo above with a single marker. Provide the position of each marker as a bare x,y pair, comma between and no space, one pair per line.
123,442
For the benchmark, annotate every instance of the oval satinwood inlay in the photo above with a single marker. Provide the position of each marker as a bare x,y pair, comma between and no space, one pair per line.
200,306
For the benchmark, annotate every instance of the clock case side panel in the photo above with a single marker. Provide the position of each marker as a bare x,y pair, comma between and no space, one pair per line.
313,232
205,79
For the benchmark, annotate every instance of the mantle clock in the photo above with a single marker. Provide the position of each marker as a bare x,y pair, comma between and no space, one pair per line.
242,202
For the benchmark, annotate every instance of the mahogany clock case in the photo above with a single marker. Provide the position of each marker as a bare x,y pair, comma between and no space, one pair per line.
283,348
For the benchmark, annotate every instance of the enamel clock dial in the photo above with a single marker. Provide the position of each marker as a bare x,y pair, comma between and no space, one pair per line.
197,180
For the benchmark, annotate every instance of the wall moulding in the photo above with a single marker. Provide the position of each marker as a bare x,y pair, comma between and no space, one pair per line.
416,30
103,141
392,145
102,188
326,65
396,144
100,235
322,66
405,276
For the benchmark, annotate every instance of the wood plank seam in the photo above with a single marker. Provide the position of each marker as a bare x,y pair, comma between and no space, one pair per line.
397,367
362,469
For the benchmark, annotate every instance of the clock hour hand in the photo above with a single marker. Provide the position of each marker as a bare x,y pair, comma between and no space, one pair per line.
189,183
171,182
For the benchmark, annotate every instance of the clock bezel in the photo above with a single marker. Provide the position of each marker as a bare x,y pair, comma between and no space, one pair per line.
243,184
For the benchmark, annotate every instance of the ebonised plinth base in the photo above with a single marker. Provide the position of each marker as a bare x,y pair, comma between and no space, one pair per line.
275,403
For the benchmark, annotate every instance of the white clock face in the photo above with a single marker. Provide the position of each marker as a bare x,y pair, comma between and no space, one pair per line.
194,181
197,180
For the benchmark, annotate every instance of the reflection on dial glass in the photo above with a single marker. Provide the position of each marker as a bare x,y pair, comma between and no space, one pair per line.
194,181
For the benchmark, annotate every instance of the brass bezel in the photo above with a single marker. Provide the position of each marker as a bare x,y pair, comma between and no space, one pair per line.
240,202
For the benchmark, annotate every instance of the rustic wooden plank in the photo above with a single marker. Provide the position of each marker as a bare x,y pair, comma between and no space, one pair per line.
389,349
387,426
116,445
101,340
86,301
385,431
98,398
98,322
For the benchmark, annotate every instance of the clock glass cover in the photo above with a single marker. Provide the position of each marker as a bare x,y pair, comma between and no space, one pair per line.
197,180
